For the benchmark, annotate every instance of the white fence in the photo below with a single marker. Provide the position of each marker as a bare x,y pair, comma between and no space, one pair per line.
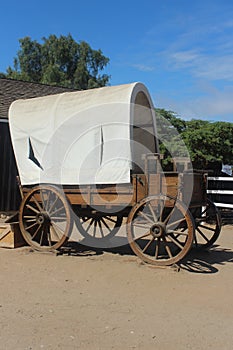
220,190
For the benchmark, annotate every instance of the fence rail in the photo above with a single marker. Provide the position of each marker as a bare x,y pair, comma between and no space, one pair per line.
220,191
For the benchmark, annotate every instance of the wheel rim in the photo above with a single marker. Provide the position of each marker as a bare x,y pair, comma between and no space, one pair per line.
207,226
160,230
98,227
44,218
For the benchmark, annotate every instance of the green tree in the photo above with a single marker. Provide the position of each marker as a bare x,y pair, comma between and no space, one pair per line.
208,144
169,132
59,61
172,118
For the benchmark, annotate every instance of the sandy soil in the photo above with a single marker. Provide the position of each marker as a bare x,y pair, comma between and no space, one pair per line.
110,300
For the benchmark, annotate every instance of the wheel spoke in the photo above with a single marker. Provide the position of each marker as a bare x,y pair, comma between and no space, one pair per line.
32,208
207,228
101,230
168,251
37,204
157,248
52,205
204,211
161,207
49,236
110,219
179,233
176,242
202,234
195,240
152,212
58,218
148,245
176,222
42,235
167,248
169,216
30,220
42,198
48,199
56,211
95,226
142,236
29,227
54,231
57,226
146,217
140,224
37,230
90,224
105,224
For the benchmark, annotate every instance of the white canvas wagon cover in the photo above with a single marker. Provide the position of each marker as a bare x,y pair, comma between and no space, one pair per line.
82,137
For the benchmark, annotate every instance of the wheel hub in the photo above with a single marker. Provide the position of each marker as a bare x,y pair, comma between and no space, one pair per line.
158,230
42,218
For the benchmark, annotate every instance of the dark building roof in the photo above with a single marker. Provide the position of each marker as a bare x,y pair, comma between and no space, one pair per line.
11,90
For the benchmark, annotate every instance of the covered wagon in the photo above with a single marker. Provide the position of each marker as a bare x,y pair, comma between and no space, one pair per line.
92,157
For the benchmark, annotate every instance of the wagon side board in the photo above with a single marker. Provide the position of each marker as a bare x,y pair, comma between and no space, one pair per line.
127,195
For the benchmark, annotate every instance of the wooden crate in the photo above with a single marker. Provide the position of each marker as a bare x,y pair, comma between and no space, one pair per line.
10,236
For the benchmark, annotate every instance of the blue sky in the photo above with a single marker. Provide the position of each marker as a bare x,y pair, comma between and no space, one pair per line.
181,50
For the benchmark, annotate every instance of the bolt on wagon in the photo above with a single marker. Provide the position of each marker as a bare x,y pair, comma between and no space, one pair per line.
91,159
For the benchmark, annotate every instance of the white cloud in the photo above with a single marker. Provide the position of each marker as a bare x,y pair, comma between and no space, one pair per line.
143,67
208,66
185,56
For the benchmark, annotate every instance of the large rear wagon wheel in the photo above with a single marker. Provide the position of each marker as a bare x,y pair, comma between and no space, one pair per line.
45,218
160,230
207,226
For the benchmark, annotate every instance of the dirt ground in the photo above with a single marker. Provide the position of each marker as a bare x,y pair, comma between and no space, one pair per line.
109,300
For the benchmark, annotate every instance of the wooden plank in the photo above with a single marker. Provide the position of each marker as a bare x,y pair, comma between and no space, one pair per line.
141,188
122,199
170,184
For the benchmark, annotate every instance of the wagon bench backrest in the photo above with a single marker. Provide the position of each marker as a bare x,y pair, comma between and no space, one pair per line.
86,137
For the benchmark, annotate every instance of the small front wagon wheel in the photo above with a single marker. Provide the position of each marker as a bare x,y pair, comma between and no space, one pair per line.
160,230
45,218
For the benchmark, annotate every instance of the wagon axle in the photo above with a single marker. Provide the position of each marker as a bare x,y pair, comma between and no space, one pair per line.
43,218
158,230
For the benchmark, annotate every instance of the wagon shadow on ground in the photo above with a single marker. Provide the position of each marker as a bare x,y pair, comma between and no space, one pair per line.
196,261
91,247
206,262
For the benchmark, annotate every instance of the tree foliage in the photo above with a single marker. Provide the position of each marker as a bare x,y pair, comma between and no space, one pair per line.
209,144
59,61
169,131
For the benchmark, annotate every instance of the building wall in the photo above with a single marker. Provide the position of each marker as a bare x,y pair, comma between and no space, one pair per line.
9,191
